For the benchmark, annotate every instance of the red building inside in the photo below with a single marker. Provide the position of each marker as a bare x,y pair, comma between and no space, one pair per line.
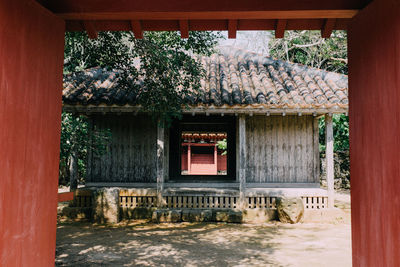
203,153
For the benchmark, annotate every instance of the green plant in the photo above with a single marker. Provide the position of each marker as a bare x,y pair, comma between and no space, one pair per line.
309,48
77,138
223,145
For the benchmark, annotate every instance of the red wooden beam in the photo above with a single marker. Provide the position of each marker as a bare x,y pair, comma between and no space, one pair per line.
137,29
208,25
205,9
280,28
329,25
184,28
67,196
232,28
90,29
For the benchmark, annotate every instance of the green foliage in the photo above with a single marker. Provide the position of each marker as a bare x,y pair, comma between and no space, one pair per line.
340,133
223,145
77,136
154,67
309,48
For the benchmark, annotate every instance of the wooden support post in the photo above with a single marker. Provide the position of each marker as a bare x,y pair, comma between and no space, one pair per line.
90,151
184,28
329,25
160,164
316,149
189,159
232,28
216,159
374,64
31,56
136,26
90,29
330,176
242,160
280,28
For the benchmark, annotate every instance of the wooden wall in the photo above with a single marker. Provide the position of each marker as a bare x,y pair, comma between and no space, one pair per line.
282,149
279,150
131,155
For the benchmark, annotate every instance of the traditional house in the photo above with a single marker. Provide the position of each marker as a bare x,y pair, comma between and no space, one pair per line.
249,136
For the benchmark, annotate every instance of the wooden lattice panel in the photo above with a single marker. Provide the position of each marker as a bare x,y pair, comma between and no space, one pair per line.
83,198
201,202
137,201
315,202
263,202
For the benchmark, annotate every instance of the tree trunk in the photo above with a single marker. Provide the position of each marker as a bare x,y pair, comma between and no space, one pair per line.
73,170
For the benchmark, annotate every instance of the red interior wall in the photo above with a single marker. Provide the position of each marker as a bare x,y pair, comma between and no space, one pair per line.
222,166
374,73
184,160
31,59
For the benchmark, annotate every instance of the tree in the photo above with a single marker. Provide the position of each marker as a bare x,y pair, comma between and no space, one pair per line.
160,68
309,48
77,138
154,67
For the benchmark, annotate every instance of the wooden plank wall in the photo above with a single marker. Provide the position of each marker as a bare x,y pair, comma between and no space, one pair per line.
132,154
280,149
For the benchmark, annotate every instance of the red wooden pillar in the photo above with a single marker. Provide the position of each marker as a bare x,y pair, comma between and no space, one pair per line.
31,59
215,159
189,159
374,80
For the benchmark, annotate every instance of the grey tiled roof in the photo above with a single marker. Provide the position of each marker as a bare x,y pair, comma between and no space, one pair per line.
236,78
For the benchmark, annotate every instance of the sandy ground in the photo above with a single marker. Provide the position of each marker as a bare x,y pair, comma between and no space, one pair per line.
214,244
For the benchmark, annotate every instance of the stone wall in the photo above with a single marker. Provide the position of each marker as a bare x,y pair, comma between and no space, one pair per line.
342,170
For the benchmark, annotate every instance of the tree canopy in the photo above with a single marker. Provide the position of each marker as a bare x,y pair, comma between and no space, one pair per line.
154,67
309,48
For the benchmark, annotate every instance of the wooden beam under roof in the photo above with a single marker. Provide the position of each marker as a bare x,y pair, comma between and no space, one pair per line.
90,29
329,26
184,28
136,26
160,15
306,14
209,25
232,28
280,28
205,9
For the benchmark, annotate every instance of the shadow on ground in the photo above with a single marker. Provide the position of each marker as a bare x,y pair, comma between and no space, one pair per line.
188,244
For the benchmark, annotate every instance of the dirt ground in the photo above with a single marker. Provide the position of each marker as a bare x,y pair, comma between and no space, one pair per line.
213,244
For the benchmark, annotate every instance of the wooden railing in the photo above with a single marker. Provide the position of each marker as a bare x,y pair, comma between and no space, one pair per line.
129,199
83,198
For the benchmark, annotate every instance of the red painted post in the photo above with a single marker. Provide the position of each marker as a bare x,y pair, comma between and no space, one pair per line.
215,159
31,59
374,92
189,157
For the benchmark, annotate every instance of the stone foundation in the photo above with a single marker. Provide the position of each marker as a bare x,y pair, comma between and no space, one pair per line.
111,205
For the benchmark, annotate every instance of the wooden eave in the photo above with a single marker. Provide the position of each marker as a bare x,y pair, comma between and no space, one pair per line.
159,15
219,110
